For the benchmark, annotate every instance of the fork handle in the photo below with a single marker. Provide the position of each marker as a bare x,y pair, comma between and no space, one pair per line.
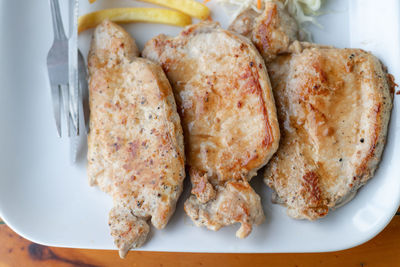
58,26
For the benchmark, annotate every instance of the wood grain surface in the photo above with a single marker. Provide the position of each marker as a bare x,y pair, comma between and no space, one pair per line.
383,250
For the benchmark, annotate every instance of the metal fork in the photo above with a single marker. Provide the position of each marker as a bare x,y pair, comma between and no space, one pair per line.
57,65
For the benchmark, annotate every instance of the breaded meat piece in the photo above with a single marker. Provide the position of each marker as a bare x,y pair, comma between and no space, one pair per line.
135,144
228,117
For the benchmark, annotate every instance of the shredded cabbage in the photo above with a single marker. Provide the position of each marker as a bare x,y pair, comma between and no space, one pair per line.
235,7
303,11
310,6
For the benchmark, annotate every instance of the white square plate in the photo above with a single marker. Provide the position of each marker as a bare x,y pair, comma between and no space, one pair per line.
48,200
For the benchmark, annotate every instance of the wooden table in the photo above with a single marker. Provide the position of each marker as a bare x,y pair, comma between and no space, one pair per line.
383,250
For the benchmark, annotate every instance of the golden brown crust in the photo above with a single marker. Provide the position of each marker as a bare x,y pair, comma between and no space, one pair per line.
227,110
272,32
127,230
201,187
334,106
235,203
135,144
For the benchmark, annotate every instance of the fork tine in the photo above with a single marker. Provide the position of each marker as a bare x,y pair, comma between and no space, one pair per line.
57,66
56,97
73,109
65,97
84,93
